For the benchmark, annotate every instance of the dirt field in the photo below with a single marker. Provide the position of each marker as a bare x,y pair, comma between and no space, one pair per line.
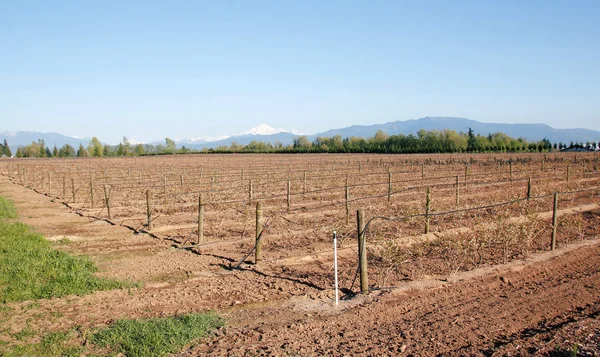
459,290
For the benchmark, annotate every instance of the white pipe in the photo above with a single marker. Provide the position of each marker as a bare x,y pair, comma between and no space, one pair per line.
335,267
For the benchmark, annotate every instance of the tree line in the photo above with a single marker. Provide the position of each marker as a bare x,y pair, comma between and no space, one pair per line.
424,141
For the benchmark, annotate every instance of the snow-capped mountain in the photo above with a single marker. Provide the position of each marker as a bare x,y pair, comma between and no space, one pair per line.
134,142
264,129
200,139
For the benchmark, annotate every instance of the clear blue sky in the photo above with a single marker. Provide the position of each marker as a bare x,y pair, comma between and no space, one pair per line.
150,69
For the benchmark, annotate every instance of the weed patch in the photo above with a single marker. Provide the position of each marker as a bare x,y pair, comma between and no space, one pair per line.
157,336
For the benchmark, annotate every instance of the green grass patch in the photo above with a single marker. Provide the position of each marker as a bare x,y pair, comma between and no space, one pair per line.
31,269
63,241
7,209
157,336
51,345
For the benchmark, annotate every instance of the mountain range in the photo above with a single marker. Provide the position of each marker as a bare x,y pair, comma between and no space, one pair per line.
265,133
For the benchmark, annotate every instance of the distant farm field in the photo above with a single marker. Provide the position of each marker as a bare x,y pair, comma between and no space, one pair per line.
185,228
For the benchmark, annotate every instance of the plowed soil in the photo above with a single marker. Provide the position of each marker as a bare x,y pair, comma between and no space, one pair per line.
547,304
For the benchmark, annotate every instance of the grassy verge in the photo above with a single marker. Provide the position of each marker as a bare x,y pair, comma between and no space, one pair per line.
155,337
7,210
31,269
52,344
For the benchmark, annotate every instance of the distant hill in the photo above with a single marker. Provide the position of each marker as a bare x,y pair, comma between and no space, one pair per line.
22,138
531,132
264,133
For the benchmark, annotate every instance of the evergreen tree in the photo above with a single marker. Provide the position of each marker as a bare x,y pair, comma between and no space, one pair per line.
48,152
55,151
82,152
6,151
471,141
66,151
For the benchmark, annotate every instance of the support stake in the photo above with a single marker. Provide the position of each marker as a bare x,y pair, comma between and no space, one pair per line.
149,209
427,208
201,204
389,186
107,199
259,228
362,252
554,221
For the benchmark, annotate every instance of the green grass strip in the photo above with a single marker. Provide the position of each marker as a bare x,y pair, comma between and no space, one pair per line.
7,209
157,336
31,269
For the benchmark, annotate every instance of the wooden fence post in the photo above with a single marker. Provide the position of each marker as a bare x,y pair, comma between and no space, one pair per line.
49,183
289,198
510,170
64,188
457,194
427,208
149,209
201,218
304,189
528,188
259,229
347,197
249,191
73,189
554,221
92,191
568,172
362,252
389,186
181,180
107,200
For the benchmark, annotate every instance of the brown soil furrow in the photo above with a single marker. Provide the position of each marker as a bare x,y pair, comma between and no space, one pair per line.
470,317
